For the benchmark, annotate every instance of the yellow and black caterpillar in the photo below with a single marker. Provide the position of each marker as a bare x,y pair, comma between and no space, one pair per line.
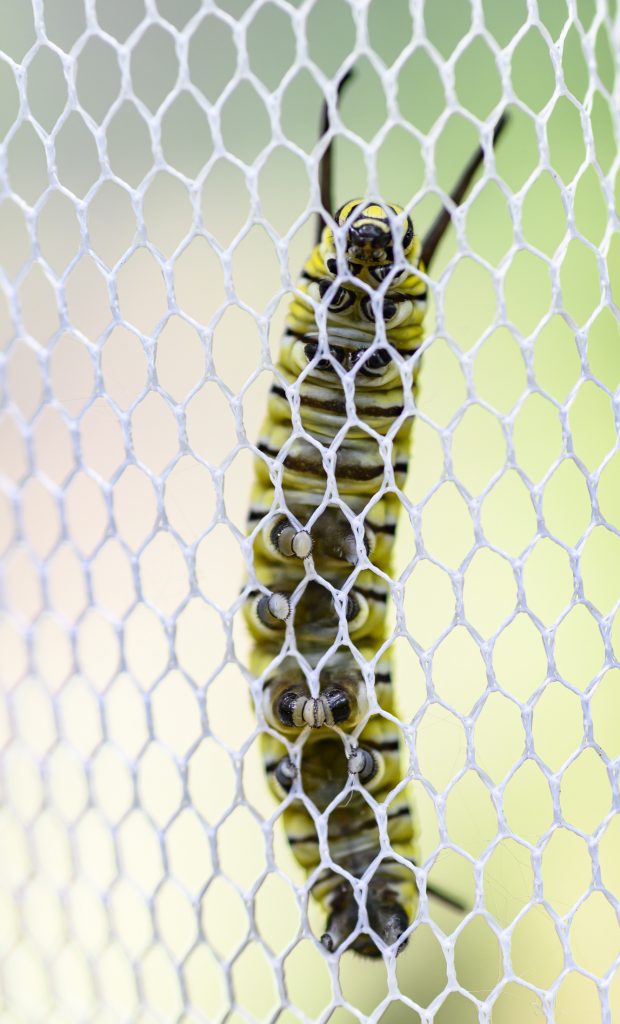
322,549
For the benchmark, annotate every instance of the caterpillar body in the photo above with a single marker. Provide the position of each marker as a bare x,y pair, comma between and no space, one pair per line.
323,563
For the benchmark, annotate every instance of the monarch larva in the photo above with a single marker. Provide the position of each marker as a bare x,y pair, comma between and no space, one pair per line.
314,560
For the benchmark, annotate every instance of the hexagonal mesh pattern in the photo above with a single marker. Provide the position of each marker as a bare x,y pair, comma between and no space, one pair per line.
159,177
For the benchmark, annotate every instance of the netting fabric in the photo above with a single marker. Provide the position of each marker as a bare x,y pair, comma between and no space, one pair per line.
158,180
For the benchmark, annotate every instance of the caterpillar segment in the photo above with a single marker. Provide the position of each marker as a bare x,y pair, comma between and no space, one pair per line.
341,690
322,563
332,535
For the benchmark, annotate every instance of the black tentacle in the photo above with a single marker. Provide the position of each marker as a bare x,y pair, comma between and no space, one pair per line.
442,221
325,166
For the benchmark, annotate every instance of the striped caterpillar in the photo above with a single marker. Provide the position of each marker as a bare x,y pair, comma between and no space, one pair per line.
355,319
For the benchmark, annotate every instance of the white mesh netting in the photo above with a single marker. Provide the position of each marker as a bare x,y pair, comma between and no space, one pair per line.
158,174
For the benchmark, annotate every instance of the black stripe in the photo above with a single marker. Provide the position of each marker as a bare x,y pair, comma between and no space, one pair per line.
338,405
393,411
295,840
375,595
301,335
357,472
364,826
266,450
401,813
404,297
383,677
407,351
299,463
312,277
383,745
255,514
352,471
328,404
389,528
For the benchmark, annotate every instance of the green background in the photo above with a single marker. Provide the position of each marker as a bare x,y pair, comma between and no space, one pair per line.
515,441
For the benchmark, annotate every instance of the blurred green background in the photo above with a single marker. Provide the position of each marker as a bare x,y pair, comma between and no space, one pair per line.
160,166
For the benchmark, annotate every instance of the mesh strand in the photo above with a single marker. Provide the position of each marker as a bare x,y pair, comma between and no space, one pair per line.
158,173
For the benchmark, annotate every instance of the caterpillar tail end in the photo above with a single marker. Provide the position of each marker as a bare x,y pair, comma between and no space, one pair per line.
388,922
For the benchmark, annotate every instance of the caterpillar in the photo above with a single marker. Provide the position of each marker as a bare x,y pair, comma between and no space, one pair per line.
323,516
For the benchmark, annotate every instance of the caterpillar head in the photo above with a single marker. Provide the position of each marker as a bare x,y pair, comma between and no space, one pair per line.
370,232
